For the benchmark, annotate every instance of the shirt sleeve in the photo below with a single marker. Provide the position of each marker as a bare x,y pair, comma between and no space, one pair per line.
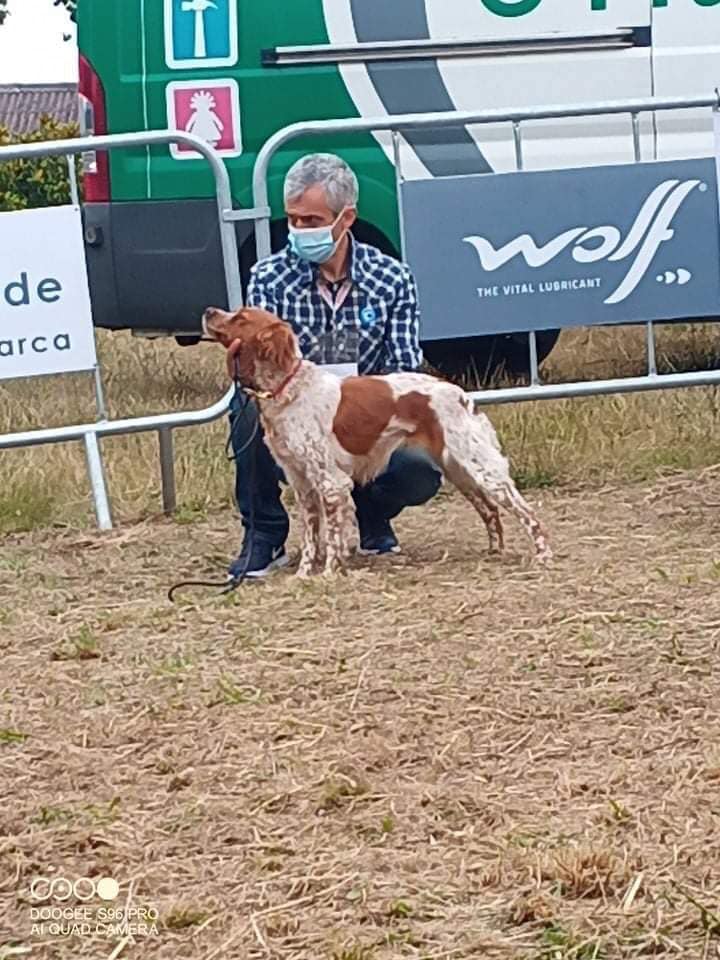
402,333
260,291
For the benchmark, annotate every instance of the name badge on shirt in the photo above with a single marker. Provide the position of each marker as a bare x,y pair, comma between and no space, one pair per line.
340,370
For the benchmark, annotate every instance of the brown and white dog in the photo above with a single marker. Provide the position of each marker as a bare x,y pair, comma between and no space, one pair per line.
328,433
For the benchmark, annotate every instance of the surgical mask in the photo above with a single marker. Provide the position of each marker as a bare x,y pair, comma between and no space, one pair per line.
314,244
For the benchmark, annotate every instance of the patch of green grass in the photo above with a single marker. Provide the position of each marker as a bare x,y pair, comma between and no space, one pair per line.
12,736
180,918
357,952
12,949
25,507
50,815
402,937
15,564
230,693
387,825
193,511
174,665
559,944
83,646
337,790
399,910
619,813
535,478
620,705
104,812
94,696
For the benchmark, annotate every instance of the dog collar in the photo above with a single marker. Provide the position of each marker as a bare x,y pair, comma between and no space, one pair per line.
274,394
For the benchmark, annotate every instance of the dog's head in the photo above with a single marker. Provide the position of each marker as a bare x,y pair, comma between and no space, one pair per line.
262,349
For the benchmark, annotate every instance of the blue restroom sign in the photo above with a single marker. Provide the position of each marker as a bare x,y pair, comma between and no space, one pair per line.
200,33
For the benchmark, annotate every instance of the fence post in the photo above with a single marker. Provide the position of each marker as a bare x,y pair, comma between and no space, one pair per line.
167,470
97,481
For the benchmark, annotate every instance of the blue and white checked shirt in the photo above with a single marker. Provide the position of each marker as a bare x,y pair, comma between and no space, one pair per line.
382,306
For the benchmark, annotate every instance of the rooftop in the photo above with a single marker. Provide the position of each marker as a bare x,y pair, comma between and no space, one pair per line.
22,105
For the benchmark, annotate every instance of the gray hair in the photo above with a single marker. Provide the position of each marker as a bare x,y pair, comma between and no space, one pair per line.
330,172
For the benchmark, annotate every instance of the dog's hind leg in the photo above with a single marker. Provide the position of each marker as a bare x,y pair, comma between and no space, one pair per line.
340,521
472,452
508,496
458,475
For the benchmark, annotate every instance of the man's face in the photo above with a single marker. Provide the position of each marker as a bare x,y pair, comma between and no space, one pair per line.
311,210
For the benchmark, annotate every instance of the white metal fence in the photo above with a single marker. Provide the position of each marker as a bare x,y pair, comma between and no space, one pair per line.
633,108
164,424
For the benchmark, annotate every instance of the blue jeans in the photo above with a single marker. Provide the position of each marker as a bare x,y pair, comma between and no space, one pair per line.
410,479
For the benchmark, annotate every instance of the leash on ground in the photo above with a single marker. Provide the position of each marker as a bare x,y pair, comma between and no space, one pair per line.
232,583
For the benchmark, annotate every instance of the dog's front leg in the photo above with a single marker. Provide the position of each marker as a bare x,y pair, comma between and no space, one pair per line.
311,554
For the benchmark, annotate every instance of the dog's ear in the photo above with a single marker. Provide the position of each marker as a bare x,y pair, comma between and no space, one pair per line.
277,345
232,358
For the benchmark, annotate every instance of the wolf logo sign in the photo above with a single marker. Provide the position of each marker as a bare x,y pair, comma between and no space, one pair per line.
564,248
200,34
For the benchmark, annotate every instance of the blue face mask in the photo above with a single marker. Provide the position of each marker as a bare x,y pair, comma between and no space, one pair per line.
314,244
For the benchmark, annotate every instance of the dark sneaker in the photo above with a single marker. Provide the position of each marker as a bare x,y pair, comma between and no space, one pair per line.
377,539
257,559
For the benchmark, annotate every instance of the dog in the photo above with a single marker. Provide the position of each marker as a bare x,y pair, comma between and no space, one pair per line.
328,434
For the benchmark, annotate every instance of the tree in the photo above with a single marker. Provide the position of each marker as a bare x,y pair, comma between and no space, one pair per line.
36,183
70,6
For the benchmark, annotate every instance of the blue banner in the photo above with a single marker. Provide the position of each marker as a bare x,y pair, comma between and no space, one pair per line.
502,253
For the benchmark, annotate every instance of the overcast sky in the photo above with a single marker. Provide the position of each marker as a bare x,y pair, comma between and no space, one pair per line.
31,44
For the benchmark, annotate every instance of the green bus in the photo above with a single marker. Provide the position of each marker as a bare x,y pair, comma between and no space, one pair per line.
235,71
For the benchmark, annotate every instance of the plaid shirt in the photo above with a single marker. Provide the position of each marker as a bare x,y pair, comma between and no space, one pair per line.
382,306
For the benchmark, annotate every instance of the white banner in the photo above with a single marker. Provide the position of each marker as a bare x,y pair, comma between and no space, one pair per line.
45,317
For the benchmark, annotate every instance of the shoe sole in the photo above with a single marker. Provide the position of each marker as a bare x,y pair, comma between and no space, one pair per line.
379,553
266,571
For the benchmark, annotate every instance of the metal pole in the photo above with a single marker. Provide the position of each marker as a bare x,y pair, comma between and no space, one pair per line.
99,393
651,356
534,372
636,137
72,178
517,137
97,481
596,388
398,189
167,470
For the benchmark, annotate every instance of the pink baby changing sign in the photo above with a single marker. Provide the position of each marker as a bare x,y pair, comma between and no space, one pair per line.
209,110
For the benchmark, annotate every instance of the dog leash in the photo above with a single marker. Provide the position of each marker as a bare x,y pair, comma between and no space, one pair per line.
229,586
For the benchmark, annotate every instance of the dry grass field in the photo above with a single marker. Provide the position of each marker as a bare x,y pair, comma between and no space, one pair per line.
442,755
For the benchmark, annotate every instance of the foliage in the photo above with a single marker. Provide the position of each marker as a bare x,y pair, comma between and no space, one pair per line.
36,183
